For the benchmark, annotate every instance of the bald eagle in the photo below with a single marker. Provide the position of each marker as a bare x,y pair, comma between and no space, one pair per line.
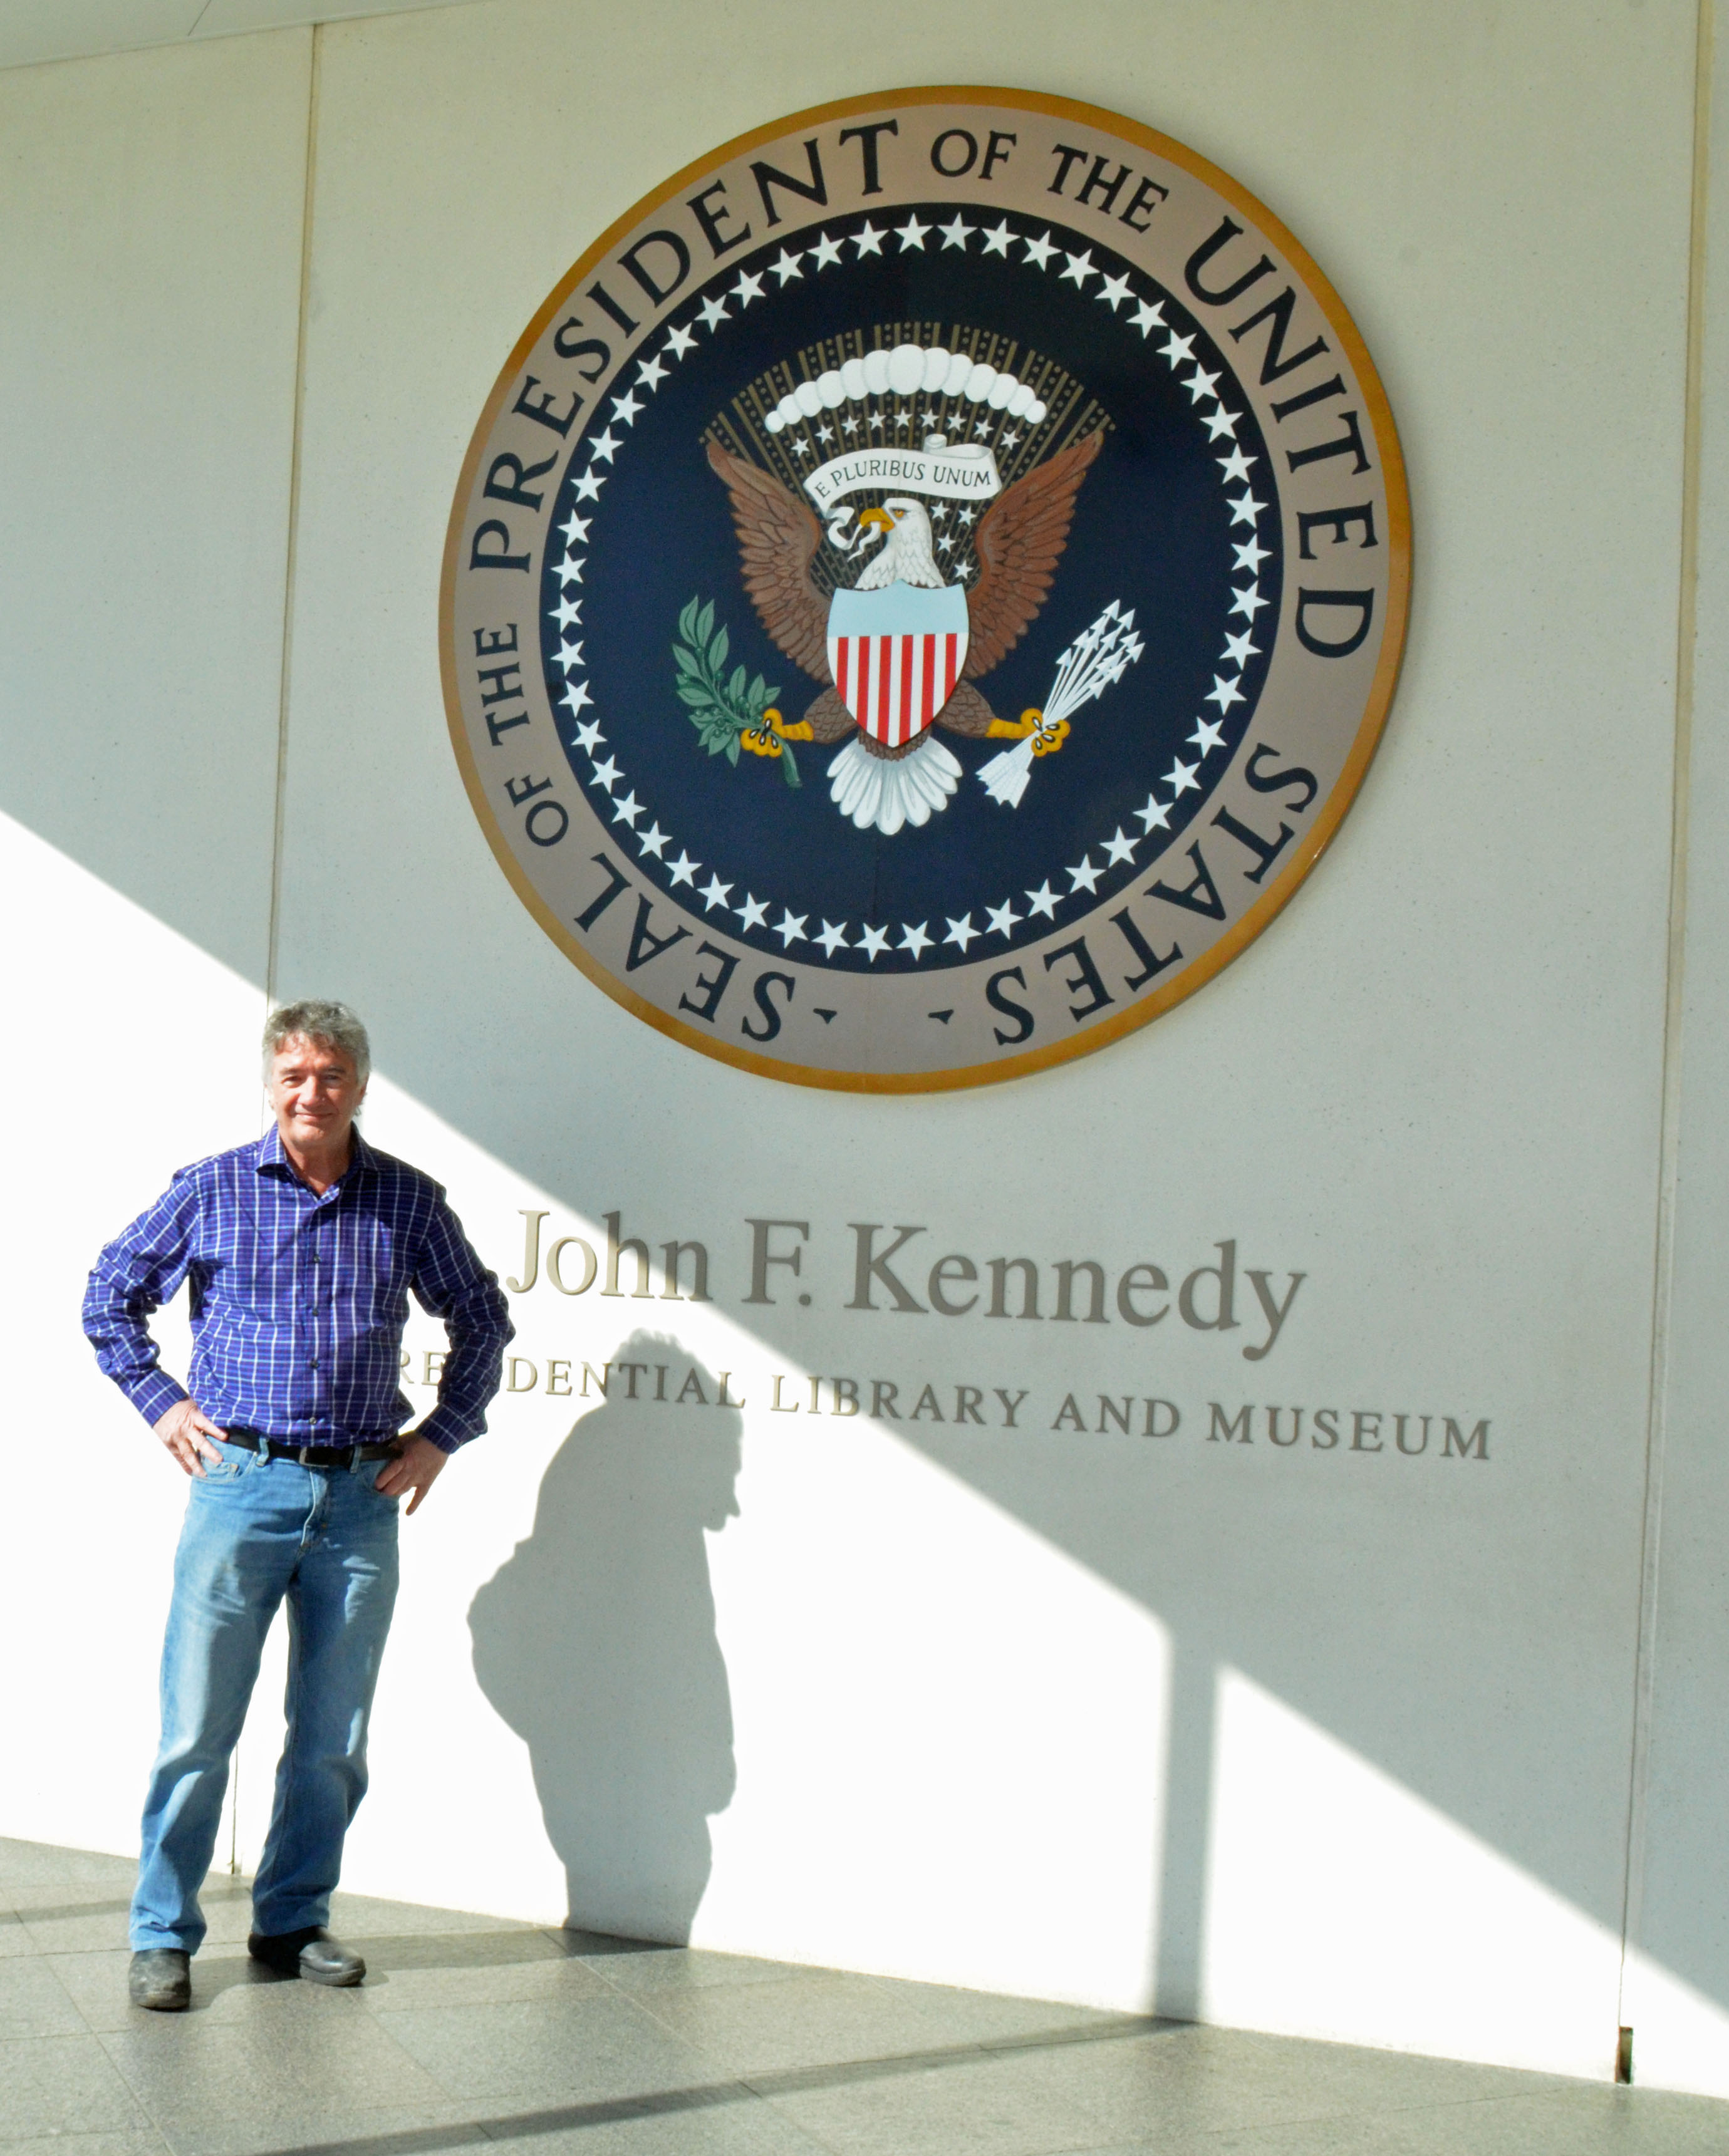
1021,537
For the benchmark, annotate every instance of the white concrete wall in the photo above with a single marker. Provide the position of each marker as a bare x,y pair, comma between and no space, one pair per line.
150,272
1322,1740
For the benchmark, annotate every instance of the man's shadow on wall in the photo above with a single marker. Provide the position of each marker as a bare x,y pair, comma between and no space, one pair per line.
596,1642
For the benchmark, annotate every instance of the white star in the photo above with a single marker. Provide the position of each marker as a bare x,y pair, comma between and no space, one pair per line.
575,697
1085,877
569,572
997,242
754,912
569,654
1114,292
1155,815
1177,350
826,253
1181,779
1043,901
588,486
1235,466
575,528
1011,441
868,240
789,931
587,737
746,290
967,516
652,373
715,894
653,841
679,342
1251,555
1207,736
1249,603
802,446
1245,509
912,234
956,234
945,545
832,939
606,774
568,612
967,569
1221,422
1200,384
627,407
914,940
604,447
1039,250
1149,317
1080,269
873,942
962,932
1002,919
876,419
850,426
1225,693
1118,848
825,433
982,428
714,311
786,267
684,869
1238,650
628,810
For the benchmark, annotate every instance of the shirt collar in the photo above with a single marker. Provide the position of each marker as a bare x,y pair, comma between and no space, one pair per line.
271,1156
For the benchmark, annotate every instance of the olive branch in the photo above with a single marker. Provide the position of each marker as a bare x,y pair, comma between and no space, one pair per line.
728,711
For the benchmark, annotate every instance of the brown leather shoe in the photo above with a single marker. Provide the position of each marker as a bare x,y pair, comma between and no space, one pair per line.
159,1978
312,1954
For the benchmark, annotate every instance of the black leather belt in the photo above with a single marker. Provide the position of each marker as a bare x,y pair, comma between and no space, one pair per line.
309,1455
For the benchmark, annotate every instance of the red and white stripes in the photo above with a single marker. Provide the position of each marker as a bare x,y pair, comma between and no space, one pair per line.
895,685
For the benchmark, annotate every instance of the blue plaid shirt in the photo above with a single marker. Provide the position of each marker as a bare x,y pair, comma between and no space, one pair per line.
298,1301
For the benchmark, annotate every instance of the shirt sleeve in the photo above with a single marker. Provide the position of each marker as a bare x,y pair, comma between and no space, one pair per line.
451,1283
138,1273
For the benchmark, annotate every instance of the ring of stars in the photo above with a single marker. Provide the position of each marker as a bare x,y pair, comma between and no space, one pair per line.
872,941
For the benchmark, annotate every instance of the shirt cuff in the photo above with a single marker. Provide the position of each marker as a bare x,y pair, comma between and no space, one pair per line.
154,1393
442,1427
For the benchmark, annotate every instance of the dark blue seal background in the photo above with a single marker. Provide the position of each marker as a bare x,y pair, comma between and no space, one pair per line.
1152,529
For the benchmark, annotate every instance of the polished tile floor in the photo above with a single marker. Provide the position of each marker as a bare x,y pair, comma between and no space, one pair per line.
471,2030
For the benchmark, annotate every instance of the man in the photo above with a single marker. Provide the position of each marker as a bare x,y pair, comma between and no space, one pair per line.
301,1249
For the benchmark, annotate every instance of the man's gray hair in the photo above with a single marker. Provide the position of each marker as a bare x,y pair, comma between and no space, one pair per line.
330,1025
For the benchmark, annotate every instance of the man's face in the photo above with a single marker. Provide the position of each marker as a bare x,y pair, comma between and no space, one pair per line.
315,1091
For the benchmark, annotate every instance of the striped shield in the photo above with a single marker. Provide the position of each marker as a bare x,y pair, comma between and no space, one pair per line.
896,655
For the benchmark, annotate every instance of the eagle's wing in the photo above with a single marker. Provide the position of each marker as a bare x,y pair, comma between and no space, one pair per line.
1022,534
777,538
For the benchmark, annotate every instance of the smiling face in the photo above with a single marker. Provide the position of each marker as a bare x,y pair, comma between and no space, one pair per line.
314,1090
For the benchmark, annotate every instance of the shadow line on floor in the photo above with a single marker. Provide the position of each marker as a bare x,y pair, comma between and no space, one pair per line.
566,2118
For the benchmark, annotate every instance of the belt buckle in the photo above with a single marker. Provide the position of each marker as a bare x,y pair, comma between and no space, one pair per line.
301,1455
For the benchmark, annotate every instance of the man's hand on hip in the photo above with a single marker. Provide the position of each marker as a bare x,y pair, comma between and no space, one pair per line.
186,1432
417,1468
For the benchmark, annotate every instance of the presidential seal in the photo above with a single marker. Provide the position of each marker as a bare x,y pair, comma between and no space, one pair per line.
924,590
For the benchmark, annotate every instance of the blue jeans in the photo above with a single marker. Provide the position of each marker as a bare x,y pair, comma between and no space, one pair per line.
257,1530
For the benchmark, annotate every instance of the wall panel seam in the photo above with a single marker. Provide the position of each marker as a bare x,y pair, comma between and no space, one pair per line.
1650,1551
286,669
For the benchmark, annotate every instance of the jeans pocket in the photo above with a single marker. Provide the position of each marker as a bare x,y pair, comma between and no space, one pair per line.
371,1472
